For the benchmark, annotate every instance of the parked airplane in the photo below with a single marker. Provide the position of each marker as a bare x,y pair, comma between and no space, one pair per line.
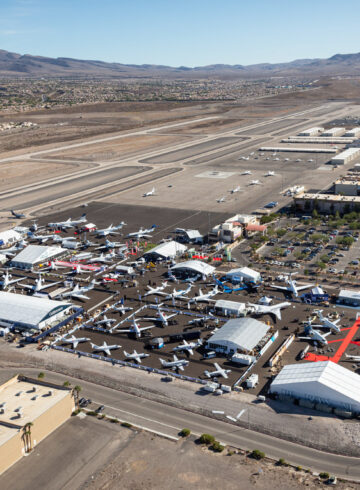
235,189
111,245
17,215
142,233
110,230
44,238
327,323
39,285
52,267
175,364
180,294
317,336
254,182
135,356
246,172
105,348
272,310
149,193
221,199
155,290
353,358
105,321
135,328
69,223
15,249
104,259
270,173
77,269
205,296
122,309
7,281
202,319
75,341
291,286
79,291
219,371
188,346
161,318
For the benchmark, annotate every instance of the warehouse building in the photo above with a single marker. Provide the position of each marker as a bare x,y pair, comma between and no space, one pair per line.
164,251
354,132
347,187
349,298
297,150
345,156
326,203
30,410
30,312
192,268
238,335
311,131
230,308
190,236
330,133
9,237
243,274
324,382
303,139
36,254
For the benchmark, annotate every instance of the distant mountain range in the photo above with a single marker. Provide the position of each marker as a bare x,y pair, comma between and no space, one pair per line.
17,65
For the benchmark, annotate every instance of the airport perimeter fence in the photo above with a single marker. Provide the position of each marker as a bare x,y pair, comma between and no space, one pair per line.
129,364
56,327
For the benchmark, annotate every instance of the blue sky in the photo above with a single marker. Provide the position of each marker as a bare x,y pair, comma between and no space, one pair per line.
181,32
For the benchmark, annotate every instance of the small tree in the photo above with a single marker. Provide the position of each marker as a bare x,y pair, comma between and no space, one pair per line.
185,432
256,454
217,447
41,375
207,439
76,391
66,383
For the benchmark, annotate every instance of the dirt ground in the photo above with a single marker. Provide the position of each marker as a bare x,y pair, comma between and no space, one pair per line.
187,465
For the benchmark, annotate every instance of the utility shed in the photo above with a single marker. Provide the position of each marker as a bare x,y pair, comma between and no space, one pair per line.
323,382
243,274
29,311
227,308
9,237
193,268
36,254
241,334
167,250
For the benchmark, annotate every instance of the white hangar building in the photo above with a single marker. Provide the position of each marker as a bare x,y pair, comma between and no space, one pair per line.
36,254
322,382
193,268
29,311
9,237
240,334
166,250
243,274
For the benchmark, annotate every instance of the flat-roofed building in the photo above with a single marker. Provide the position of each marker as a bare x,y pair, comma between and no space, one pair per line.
349,297
333,132
347,186
30,410
311,131
354,132
326,203
345,156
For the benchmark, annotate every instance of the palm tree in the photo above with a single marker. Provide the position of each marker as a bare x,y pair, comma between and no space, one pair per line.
76,391
27,434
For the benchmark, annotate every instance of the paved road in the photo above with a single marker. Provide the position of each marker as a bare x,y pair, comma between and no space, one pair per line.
168,421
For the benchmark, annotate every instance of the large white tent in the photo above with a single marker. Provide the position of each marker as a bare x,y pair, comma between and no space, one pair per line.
35,254
30,311
323,382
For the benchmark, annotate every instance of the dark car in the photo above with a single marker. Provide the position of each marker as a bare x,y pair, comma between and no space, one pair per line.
100,409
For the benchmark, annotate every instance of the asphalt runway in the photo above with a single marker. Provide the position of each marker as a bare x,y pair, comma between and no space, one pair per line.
34,197
193,150
269,128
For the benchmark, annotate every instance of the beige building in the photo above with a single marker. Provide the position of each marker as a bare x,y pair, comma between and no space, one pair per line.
233,227
326,203
29,411
347,186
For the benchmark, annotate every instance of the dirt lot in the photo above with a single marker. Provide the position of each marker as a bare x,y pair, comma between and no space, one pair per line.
116,457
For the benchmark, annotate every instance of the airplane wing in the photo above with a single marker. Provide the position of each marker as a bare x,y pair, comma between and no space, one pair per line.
146,328
283,288
107,351
75,343
77,295
181,367
224,373
190,351
300,288
27,286
45,286
276,311
217,367
124,331
175,358
170,316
